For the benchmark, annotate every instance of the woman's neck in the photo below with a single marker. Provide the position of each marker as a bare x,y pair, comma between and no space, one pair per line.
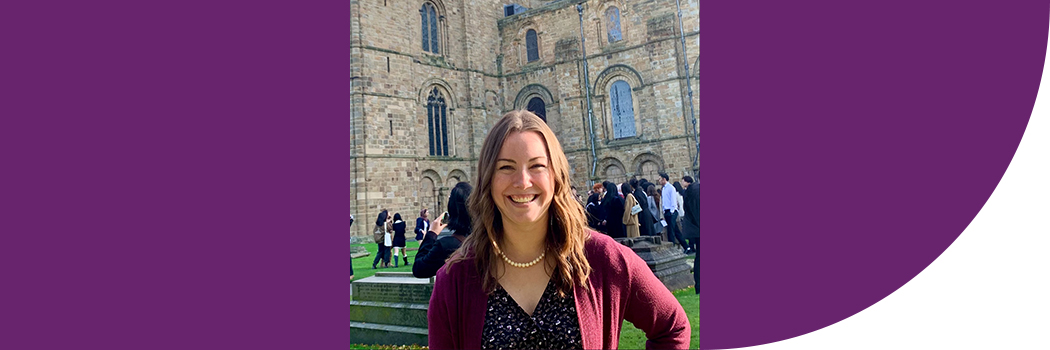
523,243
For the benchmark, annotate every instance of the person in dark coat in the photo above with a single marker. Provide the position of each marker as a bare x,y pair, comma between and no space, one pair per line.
399,239
612,208
594,207
436,248
422,224
381,229
645,218
654,209
691,225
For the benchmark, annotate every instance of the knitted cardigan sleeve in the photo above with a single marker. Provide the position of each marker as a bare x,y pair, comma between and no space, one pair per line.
440,323
652,308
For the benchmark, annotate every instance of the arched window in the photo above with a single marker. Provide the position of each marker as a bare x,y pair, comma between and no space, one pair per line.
437,123
622,107
537,107
428,22
531,46
612,16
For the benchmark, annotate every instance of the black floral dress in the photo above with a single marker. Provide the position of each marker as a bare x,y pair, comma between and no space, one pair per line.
553,325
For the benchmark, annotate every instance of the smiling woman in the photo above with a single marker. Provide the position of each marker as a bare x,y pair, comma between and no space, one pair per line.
531,275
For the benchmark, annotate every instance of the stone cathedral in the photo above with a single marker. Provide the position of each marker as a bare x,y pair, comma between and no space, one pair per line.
430,77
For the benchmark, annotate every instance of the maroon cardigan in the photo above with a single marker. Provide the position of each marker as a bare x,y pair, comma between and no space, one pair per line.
621,287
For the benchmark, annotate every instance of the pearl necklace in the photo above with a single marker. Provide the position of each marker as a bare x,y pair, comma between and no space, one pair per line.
518,264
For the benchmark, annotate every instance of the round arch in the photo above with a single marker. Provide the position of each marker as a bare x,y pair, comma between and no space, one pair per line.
530,91
642,159
455,176
442,85
612,169
627,73
429,183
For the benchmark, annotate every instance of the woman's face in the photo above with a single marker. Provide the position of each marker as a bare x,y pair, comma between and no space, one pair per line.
426,214
523,183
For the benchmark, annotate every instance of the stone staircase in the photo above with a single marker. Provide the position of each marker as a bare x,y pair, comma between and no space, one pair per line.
390,308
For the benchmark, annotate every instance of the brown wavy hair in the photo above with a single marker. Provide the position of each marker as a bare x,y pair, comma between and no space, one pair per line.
567,233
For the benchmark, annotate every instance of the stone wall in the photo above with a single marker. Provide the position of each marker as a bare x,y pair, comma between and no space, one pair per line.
648,58
482,72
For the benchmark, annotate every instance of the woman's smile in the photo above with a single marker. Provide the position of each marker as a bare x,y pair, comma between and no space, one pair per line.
525,198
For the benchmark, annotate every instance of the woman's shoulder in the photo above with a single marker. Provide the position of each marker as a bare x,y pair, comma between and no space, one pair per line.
605,253
463,268
598,242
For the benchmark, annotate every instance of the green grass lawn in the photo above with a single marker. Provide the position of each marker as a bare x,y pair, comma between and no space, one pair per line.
634,338
363,265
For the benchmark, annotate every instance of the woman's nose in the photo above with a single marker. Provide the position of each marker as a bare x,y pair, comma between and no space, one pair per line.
522,179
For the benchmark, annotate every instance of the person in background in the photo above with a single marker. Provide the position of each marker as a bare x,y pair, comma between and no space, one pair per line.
388,240
645,217
669,205
532,275
630,216
691,224
690,246
679,192
654,210
444,238
594,206
612,208
399,239
422,224
578,197
381,234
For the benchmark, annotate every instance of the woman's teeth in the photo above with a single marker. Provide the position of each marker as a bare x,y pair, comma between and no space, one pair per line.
522,199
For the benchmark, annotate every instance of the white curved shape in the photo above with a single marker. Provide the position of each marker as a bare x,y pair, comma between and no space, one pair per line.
990,289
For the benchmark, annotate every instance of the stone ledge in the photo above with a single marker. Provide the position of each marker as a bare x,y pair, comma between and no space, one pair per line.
371,333
396,314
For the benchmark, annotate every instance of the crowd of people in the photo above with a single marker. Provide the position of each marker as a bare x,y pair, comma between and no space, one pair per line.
631,209
641,208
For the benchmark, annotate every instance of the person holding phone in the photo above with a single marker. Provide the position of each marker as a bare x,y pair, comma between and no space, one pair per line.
445,235
532,275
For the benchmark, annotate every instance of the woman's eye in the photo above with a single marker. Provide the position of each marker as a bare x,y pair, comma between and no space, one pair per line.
505,167
538,166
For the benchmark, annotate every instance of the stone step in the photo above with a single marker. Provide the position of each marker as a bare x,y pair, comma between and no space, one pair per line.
405,274
396,314
398,289
380,334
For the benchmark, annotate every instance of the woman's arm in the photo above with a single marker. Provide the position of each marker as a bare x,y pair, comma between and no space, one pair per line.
431,256
652,308
426,263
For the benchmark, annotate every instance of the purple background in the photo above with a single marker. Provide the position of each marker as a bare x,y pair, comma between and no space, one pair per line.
177,176
845,146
